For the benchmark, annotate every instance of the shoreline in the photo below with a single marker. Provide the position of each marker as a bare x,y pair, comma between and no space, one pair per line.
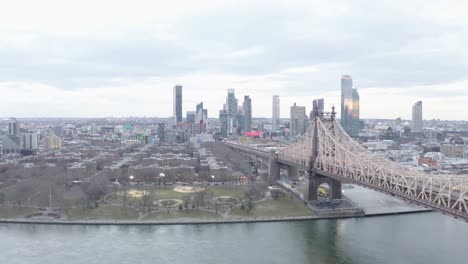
202,221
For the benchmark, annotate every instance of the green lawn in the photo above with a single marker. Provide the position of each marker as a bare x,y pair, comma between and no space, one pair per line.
102,213
282,207
169,193
186,213
229,191
15,212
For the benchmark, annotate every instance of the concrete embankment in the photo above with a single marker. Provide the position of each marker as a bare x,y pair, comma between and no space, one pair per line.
193,221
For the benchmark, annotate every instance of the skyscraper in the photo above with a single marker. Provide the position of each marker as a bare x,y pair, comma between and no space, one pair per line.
356,123
417,120
201,119
13,127
178,104
191,116
276,113
231,102
319,106
223,123
247,109
297,120
232,111
349,106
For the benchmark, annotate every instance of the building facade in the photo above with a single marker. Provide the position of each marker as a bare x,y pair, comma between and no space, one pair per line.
349,106
318,107
247,110
297,120
178,104
417,117
276,113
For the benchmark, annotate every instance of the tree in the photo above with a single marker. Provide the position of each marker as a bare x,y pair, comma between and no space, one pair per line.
199,198
185,200
256,190
249,205
147,201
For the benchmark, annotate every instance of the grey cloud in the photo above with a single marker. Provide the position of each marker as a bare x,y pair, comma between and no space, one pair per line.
365,42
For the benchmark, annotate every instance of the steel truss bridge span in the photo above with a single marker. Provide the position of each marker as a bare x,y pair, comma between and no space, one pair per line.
327,150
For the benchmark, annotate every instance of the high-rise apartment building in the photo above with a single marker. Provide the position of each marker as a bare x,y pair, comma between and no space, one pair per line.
223,123
13,127
178,104
201,119
232,111
356,125
231,102
247,110
297,120
191,116
276,113
417,117
349,106
319,106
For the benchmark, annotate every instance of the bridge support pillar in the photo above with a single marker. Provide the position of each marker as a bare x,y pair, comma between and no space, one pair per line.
315,180
311,188
335,189
293,172
273,168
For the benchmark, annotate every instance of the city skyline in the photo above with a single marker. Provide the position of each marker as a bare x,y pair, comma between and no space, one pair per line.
123,67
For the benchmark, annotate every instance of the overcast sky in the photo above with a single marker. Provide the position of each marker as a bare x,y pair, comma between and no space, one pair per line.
122,58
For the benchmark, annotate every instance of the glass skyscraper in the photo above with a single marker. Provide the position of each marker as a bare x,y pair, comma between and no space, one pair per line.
276,113
349,106
178,104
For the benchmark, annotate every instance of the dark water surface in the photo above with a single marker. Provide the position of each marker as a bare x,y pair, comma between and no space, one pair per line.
416,238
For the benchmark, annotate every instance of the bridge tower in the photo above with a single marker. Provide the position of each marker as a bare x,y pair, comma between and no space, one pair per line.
273,168
315,179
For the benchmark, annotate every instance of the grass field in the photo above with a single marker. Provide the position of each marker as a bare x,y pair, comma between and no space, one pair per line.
176,213
102,213
284,206
229,191
15,212
169,193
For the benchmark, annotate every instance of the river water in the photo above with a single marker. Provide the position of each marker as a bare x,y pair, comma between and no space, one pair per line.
415,238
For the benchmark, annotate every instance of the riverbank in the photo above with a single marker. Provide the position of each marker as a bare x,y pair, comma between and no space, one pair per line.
202,221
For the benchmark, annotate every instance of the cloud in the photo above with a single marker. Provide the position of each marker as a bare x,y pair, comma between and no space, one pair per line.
297,49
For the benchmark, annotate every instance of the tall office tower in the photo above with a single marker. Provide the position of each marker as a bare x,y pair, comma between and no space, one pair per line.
223,123
276,113
356,125
349,106
161,133
232,111
29,143
178,104
319,106
13,127
247,107
201,119
297,120
417,121
191,116
231,102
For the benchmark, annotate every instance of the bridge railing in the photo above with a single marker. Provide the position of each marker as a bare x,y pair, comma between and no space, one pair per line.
337,155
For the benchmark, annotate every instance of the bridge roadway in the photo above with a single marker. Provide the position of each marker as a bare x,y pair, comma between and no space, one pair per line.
454,194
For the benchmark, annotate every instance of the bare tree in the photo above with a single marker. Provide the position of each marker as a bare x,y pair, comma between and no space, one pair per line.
186,200
147,201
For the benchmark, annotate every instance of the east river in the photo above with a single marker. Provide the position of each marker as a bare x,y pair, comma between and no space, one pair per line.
414,238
